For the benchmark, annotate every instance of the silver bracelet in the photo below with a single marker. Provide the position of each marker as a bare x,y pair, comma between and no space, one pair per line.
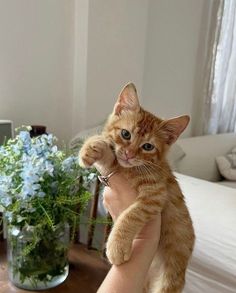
105,179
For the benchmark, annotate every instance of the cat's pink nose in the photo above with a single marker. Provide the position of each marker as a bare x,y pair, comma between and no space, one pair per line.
129,154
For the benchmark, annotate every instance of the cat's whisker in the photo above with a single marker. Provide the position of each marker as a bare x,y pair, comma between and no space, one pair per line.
153,166
149,174
140,171
157,170
145,171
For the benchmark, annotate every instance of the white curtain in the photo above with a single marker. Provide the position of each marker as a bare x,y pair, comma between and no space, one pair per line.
220,91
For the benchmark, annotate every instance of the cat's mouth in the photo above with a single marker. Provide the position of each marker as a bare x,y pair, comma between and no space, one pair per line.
127,163
124,163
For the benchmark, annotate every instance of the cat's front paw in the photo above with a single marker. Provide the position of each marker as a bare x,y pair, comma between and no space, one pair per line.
118,250
92,151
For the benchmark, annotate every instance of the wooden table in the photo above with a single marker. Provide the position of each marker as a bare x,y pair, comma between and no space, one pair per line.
87,271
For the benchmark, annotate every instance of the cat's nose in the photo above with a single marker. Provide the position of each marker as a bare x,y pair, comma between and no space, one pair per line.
129,154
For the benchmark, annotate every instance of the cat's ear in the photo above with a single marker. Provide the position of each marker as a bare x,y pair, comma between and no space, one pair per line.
127,100
172,128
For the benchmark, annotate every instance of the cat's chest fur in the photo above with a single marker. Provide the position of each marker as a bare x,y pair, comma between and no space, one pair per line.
138,180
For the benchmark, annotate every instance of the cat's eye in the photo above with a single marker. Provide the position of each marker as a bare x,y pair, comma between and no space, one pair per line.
125,134
148,147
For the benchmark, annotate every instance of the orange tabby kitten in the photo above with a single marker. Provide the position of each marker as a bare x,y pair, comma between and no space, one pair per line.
140,141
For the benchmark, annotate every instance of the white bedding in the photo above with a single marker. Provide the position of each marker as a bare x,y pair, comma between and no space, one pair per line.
212,268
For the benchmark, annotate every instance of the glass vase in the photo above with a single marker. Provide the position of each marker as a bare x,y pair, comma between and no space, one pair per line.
38,262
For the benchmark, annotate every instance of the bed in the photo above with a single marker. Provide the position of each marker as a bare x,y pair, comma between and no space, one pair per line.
212,206
212,268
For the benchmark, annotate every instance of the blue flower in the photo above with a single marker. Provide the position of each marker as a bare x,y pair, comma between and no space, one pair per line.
5,187
9,216
41,194
54,149
29,190
49,168
5,181
16,149
25,138
3,152
69,163
29,173
30,169
49,138
5,199
15,231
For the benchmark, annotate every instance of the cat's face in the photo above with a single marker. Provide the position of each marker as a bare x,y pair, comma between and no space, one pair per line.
134,139
139,137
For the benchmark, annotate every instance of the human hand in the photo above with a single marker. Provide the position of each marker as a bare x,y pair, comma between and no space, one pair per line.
118,197
131,275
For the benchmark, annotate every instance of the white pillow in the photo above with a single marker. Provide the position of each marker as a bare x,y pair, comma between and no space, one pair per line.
227,165
174,155
79,139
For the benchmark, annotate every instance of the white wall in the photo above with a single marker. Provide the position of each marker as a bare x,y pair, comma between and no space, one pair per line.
116,40
175,58
36,63
158,44
63,62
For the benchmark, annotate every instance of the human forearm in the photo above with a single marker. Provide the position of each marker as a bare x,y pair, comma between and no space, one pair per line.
130,276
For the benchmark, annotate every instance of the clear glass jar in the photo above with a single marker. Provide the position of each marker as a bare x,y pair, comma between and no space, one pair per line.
38,263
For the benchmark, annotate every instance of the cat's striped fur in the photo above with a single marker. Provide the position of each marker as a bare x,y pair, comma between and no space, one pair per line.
156,186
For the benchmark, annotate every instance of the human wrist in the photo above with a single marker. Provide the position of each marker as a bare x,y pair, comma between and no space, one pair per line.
104,179
107,172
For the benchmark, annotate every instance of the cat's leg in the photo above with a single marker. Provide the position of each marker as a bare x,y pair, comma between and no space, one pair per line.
153,282
176,250
171,277
167,283
97,152
167,271
148,204
172,283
